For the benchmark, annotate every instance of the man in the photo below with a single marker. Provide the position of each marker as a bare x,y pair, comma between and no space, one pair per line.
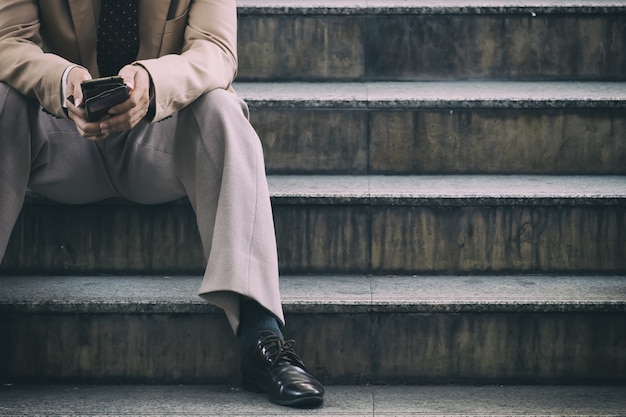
181,132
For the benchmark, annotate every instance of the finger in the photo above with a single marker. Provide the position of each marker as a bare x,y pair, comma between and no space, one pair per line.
122,108
74,110
118,123
96,138
79,116
128,114
85,129
138,98
89,132
125,116
137,79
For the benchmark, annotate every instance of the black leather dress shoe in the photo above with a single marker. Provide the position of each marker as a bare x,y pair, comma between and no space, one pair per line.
273,367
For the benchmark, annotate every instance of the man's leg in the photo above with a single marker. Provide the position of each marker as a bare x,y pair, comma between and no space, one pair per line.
210,153
46,154
14,159
218,159
224,174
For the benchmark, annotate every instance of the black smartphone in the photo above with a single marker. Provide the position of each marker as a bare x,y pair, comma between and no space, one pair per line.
100,94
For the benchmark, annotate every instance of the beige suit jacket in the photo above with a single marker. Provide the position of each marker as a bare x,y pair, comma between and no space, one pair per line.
187,46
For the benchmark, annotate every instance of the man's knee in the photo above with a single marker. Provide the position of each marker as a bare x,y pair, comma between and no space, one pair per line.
9,98
220,101
220,117
13,117
15,153
5,89
216,126
15,108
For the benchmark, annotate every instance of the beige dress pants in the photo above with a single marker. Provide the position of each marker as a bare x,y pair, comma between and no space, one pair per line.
207,151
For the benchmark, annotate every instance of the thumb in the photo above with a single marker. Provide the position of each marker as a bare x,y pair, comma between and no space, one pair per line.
75,77
77,93
128,74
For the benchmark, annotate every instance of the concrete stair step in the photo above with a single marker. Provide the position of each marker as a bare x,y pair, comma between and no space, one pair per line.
463,127
357,401
425,40
354,224
452,224
349,329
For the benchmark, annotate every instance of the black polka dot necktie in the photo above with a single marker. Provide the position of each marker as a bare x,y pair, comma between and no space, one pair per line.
118,35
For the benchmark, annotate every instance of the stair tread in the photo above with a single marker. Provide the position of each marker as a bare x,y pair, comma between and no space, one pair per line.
321,294
428,6
355,400
483,187
435,94
442,189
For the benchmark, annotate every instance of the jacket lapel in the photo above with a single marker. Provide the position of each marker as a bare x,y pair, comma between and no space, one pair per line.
152,17
85,23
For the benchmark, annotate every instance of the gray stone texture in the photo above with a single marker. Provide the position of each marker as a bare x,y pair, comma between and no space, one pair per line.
349,401
447,179
440,127
355,224
349,330
425,40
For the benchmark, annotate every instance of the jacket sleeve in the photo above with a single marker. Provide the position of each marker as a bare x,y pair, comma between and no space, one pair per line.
207,61
23,63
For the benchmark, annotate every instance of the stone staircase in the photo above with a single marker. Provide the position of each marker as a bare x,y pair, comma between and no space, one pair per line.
449,189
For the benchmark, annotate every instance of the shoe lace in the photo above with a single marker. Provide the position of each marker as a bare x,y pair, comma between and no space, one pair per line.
279,351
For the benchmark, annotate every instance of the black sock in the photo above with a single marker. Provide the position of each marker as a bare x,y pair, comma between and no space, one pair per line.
253,319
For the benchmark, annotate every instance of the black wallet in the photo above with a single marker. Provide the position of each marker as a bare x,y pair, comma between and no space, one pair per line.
100,94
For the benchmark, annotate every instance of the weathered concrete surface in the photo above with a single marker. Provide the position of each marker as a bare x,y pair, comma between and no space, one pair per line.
442,7
349,329
435,95
106,237
498,348
349,401
521,239
498,141
440,127
393,40
323,141
355,224
329,294
300,47
455,141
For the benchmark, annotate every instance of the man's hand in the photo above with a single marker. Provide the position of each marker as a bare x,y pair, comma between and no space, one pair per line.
122,117
128,114
77,113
